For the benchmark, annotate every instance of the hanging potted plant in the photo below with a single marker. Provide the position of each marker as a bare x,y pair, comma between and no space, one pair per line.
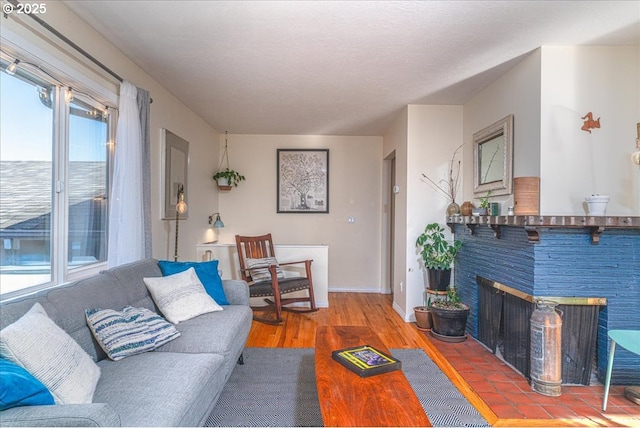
227,178
437,256
449,318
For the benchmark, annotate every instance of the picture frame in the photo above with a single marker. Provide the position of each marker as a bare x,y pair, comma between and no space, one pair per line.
303,181
493,158
366,360
176,173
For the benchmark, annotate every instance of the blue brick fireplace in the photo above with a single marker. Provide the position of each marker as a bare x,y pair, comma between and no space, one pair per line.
580,257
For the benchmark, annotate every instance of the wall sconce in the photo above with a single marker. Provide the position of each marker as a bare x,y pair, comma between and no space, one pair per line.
181,208
217,224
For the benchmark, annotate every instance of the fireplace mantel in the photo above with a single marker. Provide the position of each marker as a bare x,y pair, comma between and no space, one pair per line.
534,225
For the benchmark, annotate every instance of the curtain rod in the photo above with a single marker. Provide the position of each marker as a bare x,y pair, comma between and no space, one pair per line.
68,41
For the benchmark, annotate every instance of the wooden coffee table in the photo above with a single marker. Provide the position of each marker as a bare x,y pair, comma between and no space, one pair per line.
346,399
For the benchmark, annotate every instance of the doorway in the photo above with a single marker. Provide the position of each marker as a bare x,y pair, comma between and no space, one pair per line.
388,215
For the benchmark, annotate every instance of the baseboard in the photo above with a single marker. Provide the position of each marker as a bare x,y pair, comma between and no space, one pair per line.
354,290
402,313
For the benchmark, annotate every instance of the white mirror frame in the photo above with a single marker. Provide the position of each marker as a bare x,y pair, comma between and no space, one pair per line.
504,185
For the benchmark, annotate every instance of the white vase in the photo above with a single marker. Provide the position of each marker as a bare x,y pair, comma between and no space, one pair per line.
597,204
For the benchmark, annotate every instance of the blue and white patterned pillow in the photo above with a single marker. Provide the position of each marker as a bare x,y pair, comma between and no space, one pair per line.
129,332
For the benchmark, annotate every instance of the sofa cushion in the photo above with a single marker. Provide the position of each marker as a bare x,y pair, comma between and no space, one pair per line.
130,331
161,388
36,343
207,273
181,296
260,268
223,333
18,387
130,276
70,302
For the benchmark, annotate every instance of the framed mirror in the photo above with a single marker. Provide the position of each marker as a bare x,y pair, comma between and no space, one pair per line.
493,158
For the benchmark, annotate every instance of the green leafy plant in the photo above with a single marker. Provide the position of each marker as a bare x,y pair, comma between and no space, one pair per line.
435,250
233,177
484,200
451,302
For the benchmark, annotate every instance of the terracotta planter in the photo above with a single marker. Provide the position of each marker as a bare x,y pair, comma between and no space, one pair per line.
423,318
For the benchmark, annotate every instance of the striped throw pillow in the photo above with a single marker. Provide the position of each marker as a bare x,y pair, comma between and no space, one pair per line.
259,269
129,332
46,351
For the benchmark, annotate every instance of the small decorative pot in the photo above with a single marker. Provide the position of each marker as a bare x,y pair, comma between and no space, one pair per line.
453,209
479,211
466,209
597,204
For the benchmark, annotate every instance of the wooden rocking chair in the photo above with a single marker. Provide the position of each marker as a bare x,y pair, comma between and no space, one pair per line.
259,267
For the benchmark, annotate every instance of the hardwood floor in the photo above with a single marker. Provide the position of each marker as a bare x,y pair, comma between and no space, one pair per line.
363,309
373,310
502,396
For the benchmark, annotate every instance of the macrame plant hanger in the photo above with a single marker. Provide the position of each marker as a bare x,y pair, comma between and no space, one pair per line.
225,157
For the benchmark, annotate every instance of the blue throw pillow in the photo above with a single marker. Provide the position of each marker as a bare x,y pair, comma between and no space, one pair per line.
19,388
207,274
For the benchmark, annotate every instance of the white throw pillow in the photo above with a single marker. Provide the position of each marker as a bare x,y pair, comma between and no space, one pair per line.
46,351
181,296
260,269
130,331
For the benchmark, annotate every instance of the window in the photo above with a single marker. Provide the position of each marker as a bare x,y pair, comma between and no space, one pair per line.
55,160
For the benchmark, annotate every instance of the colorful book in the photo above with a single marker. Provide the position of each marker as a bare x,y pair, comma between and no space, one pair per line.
366,360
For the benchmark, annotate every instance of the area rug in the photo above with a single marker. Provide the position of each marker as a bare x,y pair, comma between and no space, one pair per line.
276,387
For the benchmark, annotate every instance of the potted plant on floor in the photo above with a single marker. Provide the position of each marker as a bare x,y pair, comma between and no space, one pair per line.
437,256
449,318
423,316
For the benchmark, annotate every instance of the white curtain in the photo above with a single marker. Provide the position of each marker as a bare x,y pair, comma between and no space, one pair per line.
126,221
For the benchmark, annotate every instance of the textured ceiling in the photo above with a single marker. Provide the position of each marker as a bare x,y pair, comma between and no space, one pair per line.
340,68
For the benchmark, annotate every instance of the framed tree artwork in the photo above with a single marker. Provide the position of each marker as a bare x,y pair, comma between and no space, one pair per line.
303,181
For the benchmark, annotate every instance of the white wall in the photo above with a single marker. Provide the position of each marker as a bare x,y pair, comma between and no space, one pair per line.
576,163
424,139
355,177
516,92
166,112
434,134
395,144
548,93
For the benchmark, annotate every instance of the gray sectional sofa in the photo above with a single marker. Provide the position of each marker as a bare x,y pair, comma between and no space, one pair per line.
177,384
